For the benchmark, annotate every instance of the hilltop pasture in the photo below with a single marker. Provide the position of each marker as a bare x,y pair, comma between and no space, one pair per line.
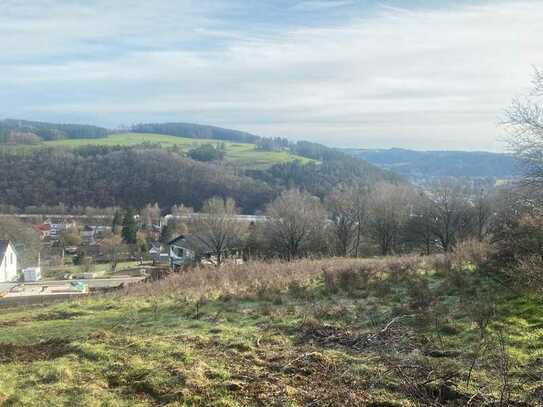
245,155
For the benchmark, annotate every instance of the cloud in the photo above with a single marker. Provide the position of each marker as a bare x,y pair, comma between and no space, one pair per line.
317,5
417,77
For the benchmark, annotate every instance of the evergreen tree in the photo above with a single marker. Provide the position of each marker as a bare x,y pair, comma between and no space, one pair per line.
129,231
116,223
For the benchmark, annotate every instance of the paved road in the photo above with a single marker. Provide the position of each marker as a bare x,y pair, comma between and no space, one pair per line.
91,282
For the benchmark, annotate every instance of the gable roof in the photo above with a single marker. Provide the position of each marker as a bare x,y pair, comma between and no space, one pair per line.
155,248
3,247
177,239
190,242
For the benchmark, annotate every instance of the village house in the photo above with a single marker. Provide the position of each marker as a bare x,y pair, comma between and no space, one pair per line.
188,249
59,225
159,255
181,252
87,235
8,262
101,231
43,230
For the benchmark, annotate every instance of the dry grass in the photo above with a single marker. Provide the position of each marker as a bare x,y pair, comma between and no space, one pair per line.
398,331
258,277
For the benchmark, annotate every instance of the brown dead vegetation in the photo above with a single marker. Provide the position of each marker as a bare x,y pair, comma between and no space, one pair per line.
391,337
46,350
265,277
56,315
276,376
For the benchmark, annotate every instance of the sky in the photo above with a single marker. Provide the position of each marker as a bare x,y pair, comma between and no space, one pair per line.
422,74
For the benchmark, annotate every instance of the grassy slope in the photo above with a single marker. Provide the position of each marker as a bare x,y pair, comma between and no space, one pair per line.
242,153
278,335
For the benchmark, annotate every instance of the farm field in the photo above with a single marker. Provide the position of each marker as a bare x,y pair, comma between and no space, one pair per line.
391,332
243,154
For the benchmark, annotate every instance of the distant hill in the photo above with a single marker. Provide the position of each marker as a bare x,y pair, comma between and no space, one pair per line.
191,130
428,164
80,165
27,132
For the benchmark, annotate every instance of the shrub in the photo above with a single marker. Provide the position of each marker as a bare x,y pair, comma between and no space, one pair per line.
269,280
528,274
420,295
469,253
206,152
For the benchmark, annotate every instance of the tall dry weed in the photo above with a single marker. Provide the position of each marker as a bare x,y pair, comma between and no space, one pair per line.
266,280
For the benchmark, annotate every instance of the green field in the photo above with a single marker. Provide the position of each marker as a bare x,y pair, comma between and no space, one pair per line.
393,332
243,154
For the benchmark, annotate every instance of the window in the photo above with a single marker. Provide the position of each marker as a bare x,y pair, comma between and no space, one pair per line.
179,251
11,258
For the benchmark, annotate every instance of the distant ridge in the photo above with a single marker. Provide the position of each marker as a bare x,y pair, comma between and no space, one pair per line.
426,164
192,130
13,129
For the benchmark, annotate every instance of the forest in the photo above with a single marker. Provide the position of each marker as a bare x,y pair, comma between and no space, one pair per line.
133,176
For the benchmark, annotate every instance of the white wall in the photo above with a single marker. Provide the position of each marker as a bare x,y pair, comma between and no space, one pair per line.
8,267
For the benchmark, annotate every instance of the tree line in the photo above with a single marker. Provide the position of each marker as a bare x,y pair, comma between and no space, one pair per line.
127,178
101,177
354,220
26,132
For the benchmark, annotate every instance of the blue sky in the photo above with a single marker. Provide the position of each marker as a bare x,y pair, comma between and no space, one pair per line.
418,74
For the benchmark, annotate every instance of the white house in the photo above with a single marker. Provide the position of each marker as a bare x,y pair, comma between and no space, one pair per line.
8,262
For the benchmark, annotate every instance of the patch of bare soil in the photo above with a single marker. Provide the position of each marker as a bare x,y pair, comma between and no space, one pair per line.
47,350
55,315
12,322
276,376
391,335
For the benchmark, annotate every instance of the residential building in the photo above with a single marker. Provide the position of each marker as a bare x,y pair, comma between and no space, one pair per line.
8,262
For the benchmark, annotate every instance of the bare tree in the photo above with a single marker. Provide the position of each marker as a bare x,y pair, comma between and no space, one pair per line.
347,206
68,237
150,215
390,207
112,246
450,211
217,229
483,208
297,220
525,121
419,229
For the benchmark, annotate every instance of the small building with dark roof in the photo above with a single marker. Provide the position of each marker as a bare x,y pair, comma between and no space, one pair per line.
181,251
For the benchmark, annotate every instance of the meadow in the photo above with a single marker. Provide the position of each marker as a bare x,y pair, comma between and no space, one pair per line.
399,331
242,154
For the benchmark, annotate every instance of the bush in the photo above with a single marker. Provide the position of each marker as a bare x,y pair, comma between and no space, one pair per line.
79,258
420,295
206,152
469,253
528,274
